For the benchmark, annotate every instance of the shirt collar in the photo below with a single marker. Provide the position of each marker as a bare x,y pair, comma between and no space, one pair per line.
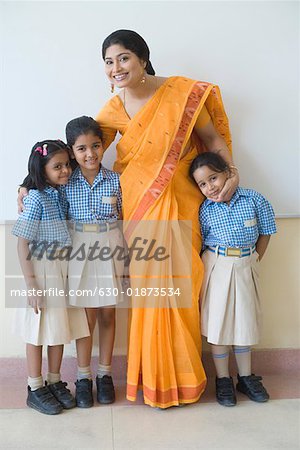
51,191
77,175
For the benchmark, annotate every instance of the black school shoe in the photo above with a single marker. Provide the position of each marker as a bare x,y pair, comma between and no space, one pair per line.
62,394
225,391
84,393
252,387
105,389
43,401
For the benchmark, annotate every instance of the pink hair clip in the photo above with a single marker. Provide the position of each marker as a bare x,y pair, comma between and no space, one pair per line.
42,151
45,151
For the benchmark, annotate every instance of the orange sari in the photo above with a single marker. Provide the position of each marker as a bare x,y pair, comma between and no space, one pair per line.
164,352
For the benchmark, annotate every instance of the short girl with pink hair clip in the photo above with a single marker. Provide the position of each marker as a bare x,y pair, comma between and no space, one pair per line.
46,320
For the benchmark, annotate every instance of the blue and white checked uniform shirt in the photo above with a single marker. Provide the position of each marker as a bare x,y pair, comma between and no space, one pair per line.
238,224
99,203
44,218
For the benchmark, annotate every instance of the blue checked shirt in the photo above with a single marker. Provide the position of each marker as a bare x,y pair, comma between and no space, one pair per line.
101,202
238,224
44,218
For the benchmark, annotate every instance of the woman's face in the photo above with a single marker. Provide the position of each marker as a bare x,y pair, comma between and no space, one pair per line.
122,67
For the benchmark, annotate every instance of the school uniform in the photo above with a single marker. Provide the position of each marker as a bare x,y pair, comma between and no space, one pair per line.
93,216
43,223
230,295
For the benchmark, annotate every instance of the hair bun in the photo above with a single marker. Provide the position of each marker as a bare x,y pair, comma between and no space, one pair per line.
149,69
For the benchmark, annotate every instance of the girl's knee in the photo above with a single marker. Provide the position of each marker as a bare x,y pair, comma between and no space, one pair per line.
106,317
91,315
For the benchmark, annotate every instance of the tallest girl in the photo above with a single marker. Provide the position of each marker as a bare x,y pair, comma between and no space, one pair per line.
164,123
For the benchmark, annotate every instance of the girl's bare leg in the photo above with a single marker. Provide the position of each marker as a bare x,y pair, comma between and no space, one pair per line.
34,360
55,354
107,324
84,345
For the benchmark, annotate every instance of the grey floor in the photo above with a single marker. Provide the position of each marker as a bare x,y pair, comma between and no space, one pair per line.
273,425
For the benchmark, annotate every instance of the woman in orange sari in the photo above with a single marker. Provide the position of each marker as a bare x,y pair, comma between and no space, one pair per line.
163,123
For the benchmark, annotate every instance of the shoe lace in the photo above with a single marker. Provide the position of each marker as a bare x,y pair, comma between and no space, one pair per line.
106,384
82,387
225,387
45,394
106,380
255,383
61,388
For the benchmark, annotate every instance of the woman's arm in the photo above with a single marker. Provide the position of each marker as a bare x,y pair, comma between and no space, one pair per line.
108,121
22,192
215,143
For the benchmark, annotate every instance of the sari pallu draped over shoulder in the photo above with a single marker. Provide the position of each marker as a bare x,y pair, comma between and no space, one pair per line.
164,349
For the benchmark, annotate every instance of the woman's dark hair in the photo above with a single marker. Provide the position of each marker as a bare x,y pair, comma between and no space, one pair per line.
41,154
213,160
79,126
131,41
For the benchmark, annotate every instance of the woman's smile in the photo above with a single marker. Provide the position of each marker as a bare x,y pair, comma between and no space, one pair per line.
120,77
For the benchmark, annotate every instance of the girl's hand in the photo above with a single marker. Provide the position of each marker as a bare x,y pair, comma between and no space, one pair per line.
229,187
21,194
36,302
262,244
125,283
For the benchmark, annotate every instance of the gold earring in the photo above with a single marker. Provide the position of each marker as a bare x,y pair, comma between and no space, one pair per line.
112,88
143,79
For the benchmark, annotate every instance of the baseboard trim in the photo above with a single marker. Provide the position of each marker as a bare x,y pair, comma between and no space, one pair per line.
264,362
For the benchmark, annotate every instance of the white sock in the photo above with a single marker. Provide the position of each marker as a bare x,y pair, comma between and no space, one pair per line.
53,378
35,382
84,373
103,370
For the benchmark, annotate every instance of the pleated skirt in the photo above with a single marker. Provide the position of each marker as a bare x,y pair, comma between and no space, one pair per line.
230,299
96,280
57,322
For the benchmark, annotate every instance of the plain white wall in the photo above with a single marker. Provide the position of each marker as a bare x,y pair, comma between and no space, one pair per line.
52,72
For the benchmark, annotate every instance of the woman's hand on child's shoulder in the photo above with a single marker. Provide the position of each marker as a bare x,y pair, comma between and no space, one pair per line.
229,188
125,283
22,192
